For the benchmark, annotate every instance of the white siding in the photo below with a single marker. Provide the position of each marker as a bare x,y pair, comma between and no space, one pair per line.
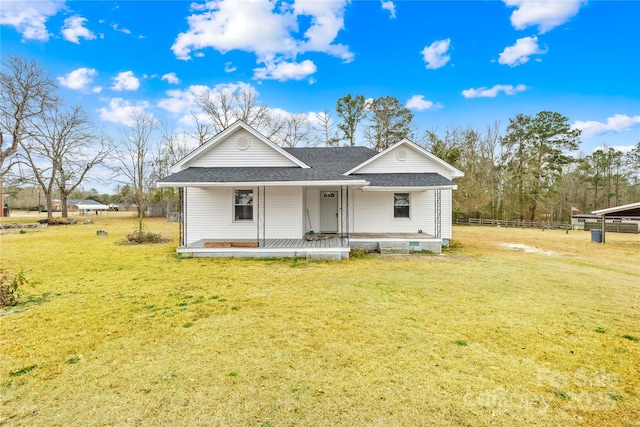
227,154
283,206
414,162
210,214
372,212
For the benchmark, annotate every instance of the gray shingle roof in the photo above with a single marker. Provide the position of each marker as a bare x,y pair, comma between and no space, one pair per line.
326,164
255,174
336,159
405,179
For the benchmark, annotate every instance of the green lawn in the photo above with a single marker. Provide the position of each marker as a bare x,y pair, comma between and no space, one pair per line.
490,333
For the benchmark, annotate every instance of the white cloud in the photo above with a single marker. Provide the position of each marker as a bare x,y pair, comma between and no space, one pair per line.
435,55
184,103
546,14
29,17
122,111
125,81
73,30
285,30
229,67
417,102
617,123
484,92
520,52
78,79
171,78
389,6
121,30
283,71
327,19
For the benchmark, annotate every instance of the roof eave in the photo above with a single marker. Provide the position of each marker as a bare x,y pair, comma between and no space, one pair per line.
311,183
617,209
408,188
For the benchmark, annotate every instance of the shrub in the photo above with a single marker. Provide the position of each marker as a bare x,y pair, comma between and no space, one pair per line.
10,288
144,237
58,221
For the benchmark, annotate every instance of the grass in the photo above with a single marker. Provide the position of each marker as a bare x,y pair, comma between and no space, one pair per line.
102,335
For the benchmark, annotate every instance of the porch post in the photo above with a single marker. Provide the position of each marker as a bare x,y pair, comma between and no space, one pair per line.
438,213
260,216
344,213
183,215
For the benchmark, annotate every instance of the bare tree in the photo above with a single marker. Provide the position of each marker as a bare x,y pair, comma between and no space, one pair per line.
59,150
137,142
26,92
172,148
325,127
250,111
205,131
224,107
294,130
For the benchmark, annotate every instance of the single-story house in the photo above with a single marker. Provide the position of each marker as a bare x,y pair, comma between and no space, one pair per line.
242,195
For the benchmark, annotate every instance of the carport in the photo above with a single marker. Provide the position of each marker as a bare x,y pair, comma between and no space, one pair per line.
630,210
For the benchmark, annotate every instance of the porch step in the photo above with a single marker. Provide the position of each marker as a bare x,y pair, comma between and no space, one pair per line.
394,247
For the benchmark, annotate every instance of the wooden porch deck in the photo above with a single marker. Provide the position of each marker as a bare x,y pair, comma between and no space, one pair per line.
332,242
314,247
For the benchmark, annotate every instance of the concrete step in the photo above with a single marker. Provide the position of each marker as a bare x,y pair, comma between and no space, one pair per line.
394,247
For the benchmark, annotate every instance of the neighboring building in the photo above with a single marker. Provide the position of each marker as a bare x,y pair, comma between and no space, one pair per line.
56,205
240,189
85,207
623,219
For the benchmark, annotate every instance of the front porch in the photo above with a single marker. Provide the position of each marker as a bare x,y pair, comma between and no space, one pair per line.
313,247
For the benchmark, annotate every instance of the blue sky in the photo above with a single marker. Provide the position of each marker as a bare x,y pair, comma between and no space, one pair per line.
453,63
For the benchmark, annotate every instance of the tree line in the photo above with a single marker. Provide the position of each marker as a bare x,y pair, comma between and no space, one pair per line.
529,171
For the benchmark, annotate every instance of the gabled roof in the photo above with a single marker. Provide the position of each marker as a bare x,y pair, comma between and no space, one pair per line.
335,159
180,165
454,171
315,166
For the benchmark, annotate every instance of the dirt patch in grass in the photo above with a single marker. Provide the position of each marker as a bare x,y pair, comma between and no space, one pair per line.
528,249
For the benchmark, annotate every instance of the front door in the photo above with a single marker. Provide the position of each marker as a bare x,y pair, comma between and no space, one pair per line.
328,211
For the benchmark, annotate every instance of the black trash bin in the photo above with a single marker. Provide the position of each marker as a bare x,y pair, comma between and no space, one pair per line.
596,236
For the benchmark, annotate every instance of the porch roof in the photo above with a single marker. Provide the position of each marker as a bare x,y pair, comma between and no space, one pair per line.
408,180
199,176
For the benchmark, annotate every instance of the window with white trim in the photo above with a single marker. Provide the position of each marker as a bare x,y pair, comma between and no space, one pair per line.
401,205
243,205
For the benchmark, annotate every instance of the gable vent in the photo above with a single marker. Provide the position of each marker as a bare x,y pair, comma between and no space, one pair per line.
242,143
401,155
